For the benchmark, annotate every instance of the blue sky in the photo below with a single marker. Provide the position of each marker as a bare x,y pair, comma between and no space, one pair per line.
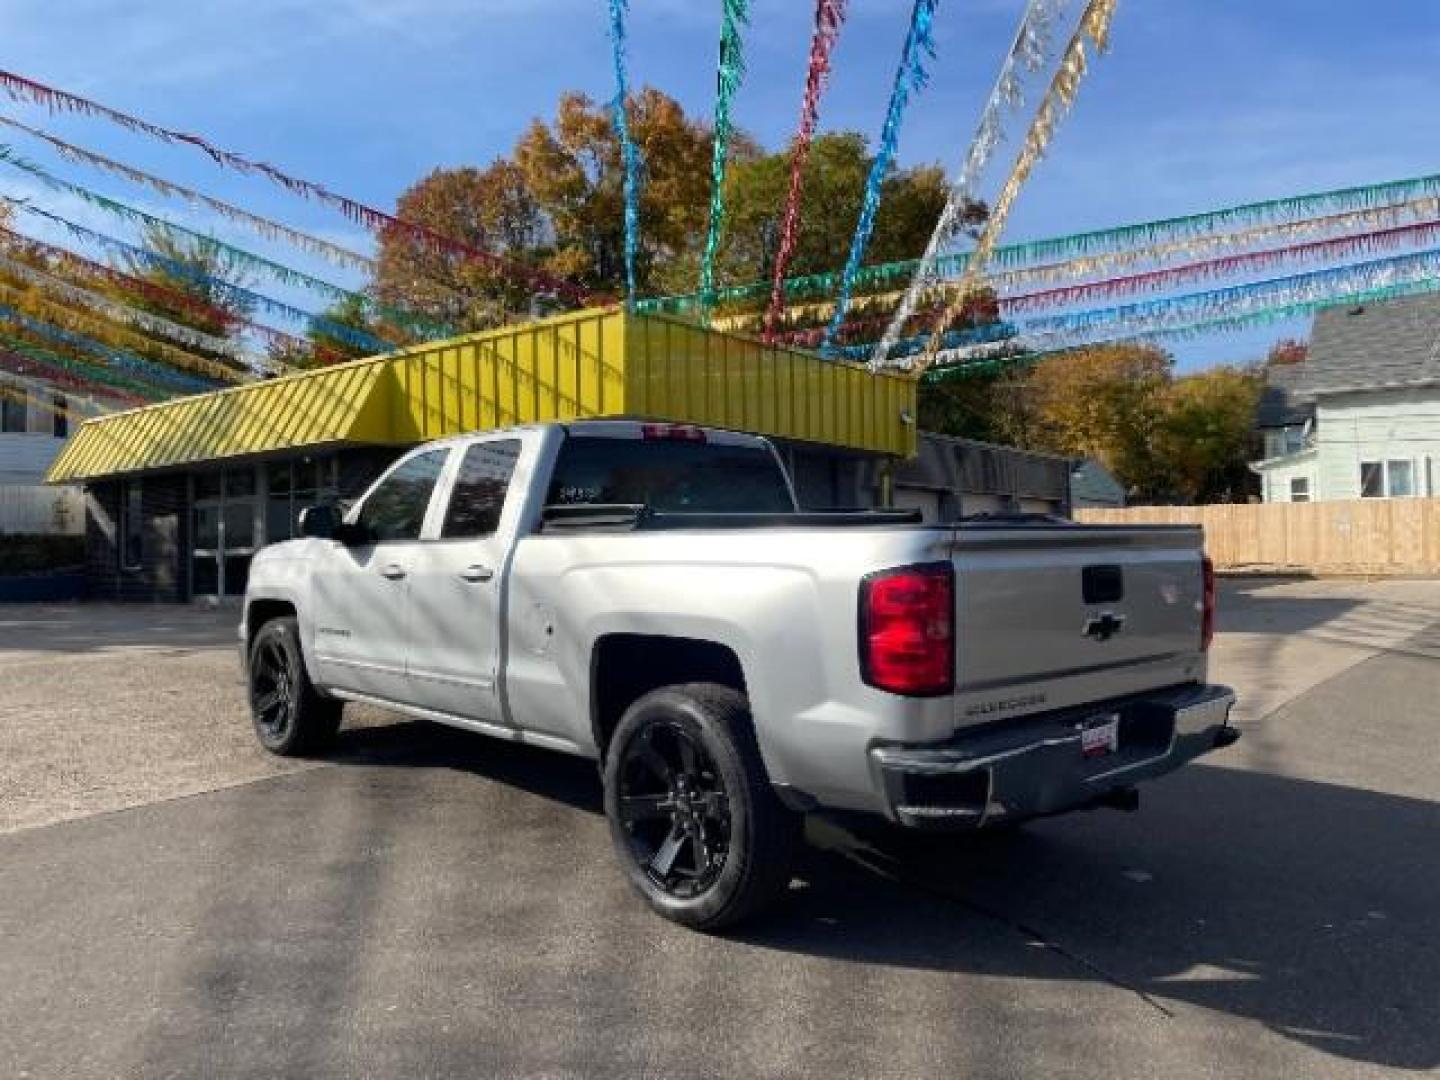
1201,103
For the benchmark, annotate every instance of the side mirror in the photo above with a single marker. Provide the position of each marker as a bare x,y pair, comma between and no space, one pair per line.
319,521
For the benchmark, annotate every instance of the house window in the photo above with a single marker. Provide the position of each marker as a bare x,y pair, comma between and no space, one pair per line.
1299,489
12,409
1372,479
1400,479
132,527
1387,479
60,419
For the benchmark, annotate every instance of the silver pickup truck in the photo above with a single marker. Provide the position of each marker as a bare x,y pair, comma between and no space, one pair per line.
649,596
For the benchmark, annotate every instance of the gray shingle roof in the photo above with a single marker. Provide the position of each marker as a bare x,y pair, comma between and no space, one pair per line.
1392,343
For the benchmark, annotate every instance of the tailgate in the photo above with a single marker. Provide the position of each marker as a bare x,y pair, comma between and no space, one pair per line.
1051,616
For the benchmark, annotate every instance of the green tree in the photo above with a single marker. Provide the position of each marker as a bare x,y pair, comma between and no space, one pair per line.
1205,438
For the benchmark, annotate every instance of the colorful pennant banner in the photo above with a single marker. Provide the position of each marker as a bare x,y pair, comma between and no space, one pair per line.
1029,53
245,297
829,16
629,152
145,320
88,270
278,271
1095,28
733,16
22,89
21,358
909,79
157,373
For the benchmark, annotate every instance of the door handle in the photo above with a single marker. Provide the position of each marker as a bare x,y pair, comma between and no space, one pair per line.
476,572
393,571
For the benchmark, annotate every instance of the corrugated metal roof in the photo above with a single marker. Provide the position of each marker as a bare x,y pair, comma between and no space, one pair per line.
585,364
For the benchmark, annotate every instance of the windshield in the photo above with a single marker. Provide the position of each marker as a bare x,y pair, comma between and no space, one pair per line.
667,474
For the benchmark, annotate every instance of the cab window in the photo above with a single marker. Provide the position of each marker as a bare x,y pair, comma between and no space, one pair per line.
396,509
478,494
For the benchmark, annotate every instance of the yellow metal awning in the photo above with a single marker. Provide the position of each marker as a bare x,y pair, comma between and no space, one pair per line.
594,363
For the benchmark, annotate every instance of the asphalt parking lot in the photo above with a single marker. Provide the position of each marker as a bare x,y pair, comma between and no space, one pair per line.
173,903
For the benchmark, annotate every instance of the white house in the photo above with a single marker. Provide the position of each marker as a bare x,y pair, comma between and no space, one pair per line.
34,424
36,418
1360,417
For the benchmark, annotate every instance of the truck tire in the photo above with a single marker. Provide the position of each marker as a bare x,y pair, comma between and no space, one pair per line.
291,717
698,828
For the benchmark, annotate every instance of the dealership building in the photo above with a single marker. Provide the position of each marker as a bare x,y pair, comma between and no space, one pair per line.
179,496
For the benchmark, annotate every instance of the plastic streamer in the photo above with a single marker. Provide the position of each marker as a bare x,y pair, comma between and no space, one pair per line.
119,357
829,16
32,362
104,332
243,296
377,221
266,227
629,152
415,324
145,320
1028,53
1217,307
733,16
85,269
975,362
909,79
1094,27
1356,243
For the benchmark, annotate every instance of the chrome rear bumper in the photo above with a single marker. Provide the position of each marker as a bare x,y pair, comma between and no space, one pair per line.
1035,765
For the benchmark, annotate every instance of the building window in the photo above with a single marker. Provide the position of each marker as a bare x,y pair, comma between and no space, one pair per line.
1393,479
1299,489
293,486
132,526
12,409
60,418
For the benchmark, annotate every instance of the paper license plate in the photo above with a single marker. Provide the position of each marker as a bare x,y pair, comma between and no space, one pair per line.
1100,736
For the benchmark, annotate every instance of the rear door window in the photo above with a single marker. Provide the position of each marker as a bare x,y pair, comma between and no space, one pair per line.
478,495
668,474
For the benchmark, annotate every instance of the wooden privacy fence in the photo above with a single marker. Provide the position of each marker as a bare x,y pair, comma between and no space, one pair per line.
1360,536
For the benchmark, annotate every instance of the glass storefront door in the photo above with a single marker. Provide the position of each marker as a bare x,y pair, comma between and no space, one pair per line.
223,532
236,511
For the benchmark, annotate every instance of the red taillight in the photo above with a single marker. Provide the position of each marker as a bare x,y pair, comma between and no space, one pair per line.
907,630
672,432
1207,616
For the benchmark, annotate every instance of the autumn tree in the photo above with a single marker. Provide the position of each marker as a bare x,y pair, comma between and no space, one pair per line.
574,171
1288,351
491,210
1102,402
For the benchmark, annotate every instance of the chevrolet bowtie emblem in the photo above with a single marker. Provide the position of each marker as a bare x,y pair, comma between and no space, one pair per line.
1104,627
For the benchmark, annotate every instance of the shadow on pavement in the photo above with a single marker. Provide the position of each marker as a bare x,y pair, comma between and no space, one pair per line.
1310,908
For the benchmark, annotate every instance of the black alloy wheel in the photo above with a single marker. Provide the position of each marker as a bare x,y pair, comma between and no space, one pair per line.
272,690
675,809
291,717
700,832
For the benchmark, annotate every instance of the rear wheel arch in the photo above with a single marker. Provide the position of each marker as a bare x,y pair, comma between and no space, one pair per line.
624,667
